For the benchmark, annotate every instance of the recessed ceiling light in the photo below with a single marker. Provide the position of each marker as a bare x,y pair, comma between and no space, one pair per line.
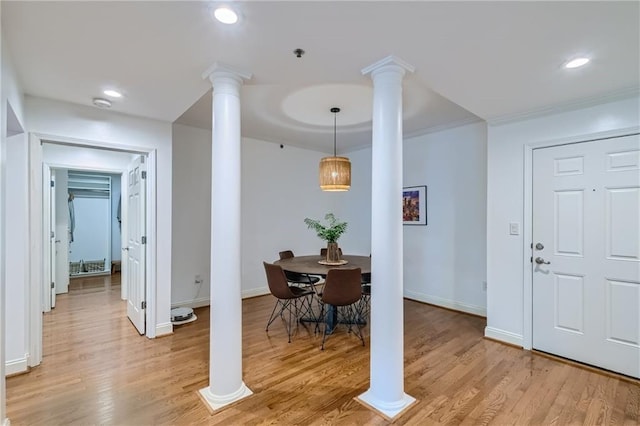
112,93
102,103
225,15
576,63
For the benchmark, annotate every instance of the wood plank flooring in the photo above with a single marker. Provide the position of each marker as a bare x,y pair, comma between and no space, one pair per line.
98,370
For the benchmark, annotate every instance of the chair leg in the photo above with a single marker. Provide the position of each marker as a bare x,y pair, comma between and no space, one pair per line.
320,317
348,315
289,325
363,307
272,317
295,309
284,305
306,309
324,329
355,319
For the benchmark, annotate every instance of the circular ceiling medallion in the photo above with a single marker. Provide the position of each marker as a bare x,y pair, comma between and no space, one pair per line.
312,105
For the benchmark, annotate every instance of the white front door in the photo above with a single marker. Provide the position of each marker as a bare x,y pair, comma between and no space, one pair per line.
135,250
586,252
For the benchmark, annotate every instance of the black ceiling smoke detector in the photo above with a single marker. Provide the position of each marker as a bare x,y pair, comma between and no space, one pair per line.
298,52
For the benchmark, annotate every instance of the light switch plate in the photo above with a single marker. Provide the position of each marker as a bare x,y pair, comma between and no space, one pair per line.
514,228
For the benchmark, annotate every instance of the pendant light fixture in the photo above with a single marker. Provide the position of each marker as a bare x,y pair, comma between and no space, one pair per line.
335,172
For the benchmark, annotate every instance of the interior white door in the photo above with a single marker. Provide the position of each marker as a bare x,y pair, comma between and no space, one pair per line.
62,231
135,250
586,252
52,240
48,228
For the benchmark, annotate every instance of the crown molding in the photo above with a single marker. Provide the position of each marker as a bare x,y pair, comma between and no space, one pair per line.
565,107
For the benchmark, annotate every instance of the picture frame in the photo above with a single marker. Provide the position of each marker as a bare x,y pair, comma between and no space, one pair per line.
414,205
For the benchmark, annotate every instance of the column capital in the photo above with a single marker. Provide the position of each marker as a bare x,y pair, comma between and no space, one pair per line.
391,62
219,69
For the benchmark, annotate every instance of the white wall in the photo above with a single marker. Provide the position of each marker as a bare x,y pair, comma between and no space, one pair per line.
83,158
16,193
279,189
91,124
3,398
12,293
354,206
191,216
445,261
505,200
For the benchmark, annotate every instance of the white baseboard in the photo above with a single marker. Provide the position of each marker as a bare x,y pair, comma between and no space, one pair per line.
193,303
504,336
205,301
446,303
260,291
6,422
164,329
16,366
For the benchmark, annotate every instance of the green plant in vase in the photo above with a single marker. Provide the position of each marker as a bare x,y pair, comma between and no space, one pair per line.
329,233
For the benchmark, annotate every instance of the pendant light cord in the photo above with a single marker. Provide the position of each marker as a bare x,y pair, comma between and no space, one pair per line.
335,115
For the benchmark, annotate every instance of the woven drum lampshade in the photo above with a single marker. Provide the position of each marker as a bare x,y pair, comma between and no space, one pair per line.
335,172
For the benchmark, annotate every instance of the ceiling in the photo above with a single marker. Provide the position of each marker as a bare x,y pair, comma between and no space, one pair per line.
473,60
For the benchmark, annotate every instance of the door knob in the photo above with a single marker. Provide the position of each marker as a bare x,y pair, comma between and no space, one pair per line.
541,261
125,248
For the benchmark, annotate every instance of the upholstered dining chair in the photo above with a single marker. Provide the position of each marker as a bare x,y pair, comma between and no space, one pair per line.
296,301
364,305
342,290
295,277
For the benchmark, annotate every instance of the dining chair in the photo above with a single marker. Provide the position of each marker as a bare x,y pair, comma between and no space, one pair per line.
295,301
364,305
295,277
342,291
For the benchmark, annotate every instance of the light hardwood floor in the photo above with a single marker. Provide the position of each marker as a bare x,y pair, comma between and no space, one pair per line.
98,370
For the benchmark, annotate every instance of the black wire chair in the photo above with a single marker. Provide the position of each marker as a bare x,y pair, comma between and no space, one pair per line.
296,278
296,301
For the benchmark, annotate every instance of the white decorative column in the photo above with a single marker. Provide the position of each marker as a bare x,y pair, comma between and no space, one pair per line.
386,389
225,341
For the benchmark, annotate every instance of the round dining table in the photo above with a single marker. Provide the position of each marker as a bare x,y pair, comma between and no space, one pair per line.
310,264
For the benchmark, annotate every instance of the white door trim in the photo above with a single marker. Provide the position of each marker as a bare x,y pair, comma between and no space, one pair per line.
37,250
527,227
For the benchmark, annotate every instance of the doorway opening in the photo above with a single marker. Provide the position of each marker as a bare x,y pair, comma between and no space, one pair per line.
88,158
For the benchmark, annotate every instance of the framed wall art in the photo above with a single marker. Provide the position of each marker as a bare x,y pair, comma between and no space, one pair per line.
414,205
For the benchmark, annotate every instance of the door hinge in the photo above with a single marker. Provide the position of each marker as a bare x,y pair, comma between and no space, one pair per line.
144,174
531,259
143,305
53,285
144,240
52,234
53,183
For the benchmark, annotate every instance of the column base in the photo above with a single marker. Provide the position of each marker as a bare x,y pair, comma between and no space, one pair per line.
388,410
216,402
